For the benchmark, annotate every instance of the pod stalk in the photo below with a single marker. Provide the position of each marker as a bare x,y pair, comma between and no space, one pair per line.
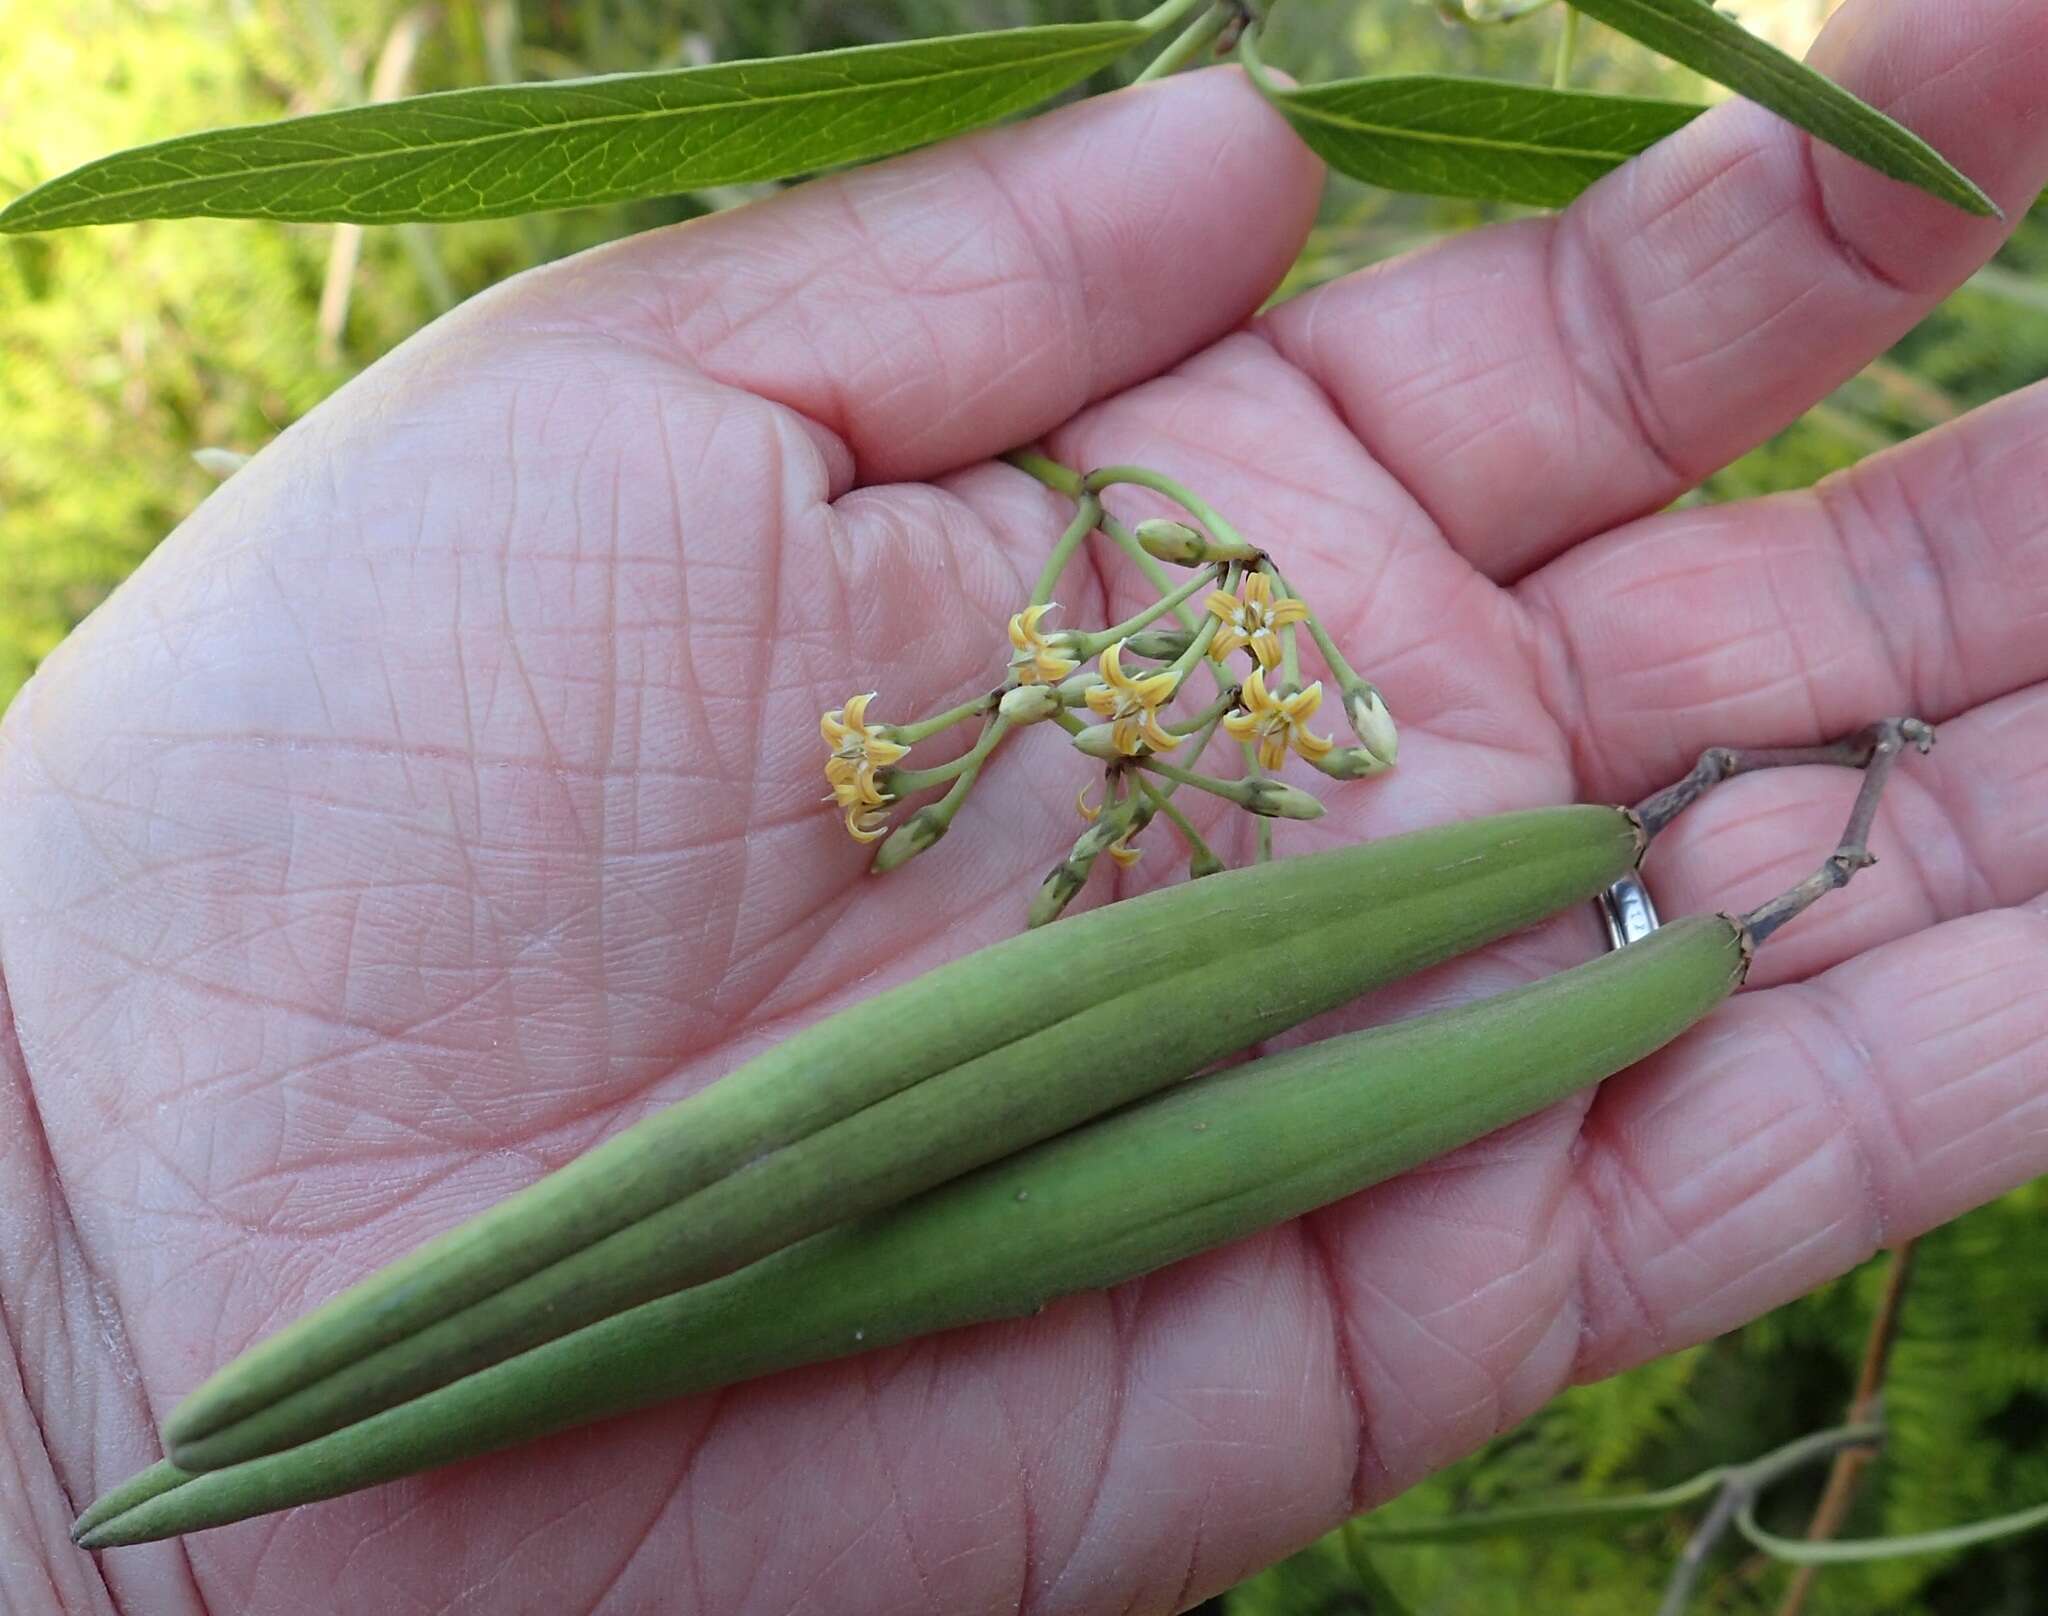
1886,740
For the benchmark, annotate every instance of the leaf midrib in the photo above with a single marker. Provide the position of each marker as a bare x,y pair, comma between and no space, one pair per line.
1784,72
577,125
1486,143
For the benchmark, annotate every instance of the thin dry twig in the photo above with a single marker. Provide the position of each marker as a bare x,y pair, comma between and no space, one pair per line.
1845,1475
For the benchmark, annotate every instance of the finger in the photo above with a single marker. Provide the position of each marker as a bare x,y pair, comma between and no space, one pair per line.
1811,1125
954,303
1542,381
1915,582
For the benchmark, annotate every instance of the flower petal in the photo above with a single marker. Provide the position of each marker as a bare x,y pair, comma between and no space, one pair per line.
1113,666
1303,703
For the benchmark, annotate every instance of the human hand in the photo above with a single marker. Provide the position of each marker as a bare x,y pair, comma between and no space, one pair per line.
442,798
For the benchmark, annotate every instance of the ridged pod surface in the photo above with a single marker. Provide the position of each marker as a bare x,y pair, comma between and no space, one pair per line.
1202,1164
965,1065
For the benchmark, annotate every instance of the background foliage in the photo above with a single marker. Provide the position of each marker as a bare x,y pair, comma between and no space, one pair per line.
123,350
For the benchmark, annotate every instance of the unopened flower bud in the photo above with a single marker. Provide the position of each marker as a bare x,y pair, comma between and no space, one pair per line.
1051,899
1159,644
1275,799
920,831
1099,741
1171,541
1371,722
1030,704
1351,763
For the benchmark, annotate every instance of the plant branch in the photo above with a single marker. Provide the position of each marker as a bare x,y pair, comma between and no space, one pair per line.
1718,763
1740,1488
1845,1476
1892,736
1198,37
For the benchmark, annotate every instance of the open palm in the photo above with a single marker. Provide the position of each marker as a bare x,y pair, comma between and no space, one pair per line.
444,796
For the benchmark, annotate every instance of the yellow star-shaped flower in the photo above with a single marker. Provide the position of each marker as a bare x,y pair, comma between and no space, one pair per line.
1132,705
858,749
1037,661
1251,618
1275,723
856,793
854,740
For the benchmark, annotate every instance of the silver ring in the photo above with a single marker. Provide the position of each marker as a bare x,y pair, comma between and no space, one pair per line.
1627,912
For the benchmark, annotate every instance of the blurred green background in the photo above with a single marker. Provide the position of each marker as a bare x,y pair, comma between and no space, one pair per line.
124,350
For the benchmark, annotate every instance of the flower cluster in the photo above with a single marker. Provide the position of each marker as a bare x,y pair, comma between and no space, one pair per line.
859,749
1142,667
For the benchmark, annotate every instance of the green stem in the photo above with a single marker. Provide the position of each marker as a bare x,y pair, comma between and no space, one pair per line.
1100,642
1139,476
968,766
925,728
1341,669
1205,636
1208,718
1255,64
1567,45
1202,739
1228,790
1194,40
1252,771
1048,471
924,828
1060,478
1083,524
1161,798
1290,650
1164,16
909,782
1155,574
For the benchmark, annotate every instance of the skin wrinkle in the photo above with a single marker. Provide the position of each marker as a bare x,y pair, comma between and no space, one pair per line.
1877,279
1614,373
1599,1338
111,1332
1955,645
1319,1245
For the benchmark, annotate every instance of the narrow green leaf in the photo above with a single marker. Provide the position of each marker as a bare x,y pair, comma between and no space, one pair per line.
524,148
1692,32
1475,137
1800,1551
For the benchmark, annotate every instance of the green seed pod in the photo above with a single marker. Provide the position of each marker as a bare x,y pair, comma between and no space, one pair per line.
1202,1164
962,1066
